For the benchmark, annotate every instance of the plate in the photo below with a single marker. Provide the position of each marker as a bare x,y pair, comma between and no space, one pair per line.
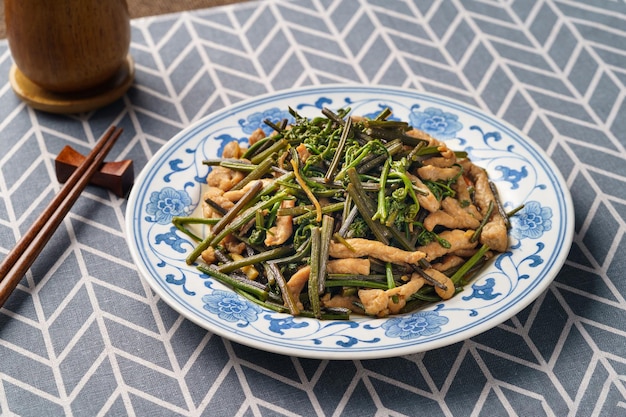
540,237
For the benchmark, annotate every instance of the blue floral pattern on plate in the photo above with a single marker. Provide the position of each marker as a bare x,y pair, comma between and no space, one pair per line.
436,122
171,185
257,119
230,307
167,203
532,221
420,324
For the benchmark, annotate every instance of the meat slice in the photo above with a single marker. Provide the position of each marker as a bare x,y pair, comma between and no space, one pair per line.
463,195
381,303
277,235
235,195
432,142
256,136
359,247
459,240
448,262
494,233
452,216
426,198
303,153
216,195
208,255
223,178
297,282
438,276
439,162
433,173
342,301
375,302
357,266
232,150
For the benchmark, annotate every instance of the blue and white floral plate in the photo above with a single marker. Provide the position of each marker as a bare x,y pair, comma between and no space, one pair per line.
540,239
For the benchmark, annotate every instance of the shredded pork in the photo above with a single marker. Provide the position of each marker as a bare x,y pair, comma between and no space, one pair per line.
215,195
358,248
494,233
297,282
452,216
279,234
459,240
381,303
224,178
356,266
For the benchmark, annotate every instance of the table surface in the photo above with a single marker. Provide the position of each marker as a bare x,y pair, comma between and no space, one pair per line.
84,334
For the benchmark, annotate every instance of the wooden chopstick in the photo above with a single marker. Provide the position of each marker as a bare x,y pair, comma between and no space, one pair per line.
22,256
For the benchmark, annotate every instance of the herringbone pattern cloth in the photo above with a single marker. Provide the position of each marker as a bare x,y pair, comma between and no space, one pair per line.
85,336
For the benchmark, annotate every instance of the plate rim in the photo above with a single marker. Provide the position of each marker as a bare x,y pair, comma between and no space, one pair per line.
354,352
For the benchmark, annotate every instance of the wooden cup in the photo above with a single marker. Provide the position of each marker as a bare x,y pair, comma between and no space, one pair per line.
68,50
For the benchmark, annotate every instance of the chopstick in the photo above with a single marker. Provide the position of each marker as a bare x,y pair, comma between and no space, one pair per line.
22,256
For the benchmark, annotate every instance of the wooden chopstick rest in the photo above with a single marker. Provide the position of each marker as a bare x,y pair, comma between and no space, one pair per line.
29,246
115,176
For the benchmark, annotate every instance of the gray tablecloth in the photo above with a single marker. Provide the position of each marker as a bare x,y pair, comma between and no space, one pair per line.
85,336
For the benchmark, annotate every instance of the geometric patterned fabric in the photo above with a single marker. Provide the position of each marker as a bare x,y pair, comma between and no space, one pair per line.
83,335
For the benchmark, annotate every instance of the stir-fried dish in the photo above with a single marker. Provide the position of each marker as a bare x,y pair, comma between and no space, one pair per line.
342,214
